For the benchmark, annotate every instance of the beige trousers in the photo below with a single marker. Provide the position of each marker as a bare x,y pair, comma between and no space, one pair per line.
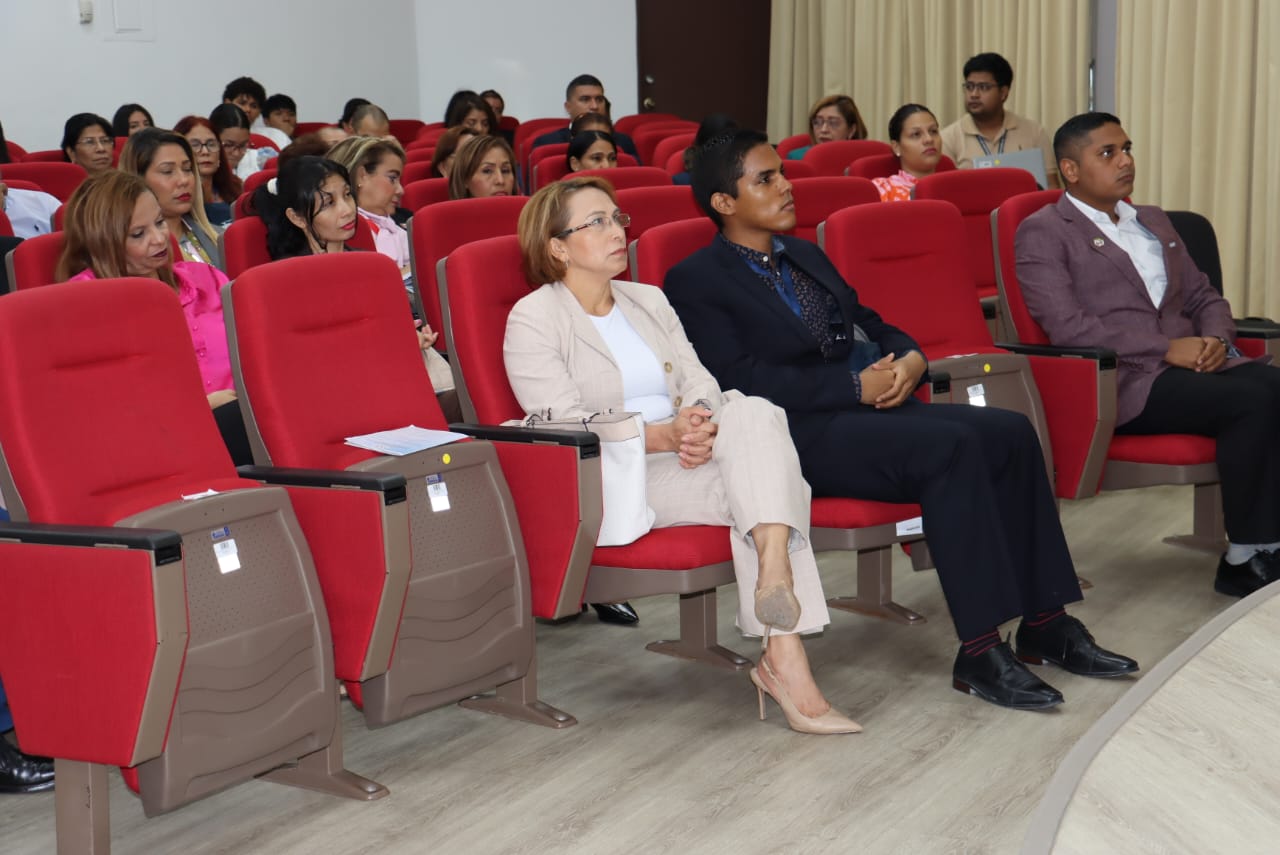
753,477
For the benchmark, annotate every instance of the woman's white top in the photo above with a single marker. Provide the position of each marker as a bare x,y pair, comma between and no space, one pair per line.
644,388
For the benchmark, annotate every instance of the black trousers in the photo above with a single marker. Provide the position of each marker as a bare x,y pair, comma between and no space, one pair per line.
1240,408
234,435
978,474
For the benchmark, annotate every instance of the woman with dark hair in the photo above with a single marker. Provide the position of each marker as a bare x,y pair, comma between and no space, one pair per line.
591,150
447,149
835,117
472,112
917,143
231,124
87,139
131,118
164,160
312,211
484,166
114,227
495,101
218,183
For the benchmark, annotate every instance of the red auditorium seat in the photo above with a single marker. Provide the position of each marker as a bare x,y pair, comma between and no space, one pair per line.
458,622
630,124
417,171
419,192
438,230
651,206
668,147
831,158
649,135
406,130
884,165
191,582
818,198
31,263
550,169
52,155
791,143
57,179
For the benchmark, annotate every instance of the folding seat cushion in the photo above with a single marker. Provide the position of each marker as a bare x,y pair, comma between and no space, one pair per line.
818,198
314,365
1079,401
440,229
141,451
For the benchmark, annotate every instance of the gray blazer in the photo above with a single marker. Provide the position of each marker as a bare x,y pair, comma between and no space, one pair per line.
557,361
1085,292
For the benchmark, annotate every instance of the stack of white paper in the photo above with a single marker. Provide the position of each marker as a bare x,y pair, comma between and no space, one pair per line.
405,440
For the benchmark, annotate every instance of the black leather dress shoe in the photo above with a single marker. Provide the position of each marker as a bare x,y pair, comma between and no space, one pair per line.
1241,580
23,773
616,613
997,676
1066,643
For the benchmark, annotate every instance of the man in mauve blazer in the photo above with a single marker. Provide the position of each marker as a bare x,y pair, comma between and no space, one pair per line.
771,316
1097,271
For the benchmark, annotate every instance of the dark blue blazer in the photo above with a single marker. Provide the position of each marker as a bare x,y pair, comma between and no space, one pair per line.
751,341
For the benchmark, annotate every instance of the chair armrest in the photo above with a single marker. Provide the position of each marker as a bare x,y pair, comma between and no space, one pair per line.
391,484
166,544
1254,327
92,613
586,441
1104,357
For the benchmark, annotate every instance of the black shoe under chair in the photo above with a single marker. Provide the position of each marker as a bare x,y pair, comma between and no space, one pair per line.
1241,580
23,773
997,676
620,614
1066,643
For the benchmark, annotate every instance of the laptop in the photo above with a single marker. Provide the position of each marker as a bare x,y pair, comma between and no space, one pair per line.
1031,159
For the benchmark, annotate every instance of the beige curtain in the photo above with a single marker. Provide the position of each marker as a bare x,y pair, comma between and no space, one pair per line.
886,53
1198,90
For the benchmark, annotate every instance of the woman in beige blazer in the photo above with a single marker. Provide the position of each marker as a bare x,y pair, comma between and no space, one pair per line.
713,458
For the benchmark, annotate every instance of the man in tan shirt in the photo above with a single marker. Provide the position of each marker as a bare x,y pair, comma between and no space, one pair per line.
987,127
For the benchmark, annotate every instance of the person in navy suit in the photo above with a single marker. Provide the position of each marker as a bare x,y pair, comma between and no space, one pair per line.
585,94
1099,272
771,316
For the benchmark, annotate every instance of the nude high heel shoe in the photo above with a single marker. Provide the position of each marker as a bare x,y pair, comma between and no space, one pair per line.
828,723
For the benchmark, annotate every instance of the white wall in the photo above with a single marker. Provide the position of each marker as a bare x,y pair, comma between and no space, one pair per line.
507,45
55,66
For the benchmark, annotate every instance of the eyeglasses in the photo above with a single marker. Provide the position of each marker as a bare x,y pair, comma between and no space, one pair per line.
984,87
205,145
599,224
96,142
231,146
827,122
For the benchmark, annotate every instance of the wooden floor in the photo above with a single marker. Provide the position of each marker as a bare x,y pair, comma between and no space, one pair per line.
670,757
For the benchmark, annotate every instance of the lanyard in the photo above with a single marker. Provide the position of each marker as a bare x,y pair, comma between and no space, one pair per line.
999,143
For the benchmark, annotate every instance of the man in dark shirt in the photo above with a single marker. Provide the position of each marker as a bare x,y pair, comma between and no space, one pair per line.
585,94
771,316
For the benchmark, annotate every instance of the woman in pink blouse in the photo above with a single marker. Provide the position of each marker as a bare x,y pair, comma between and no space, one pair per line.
917,143
114,228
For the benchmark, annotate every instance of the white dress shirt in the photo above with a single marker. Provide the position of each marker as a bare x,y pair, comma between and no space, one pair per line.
30,212
1142,247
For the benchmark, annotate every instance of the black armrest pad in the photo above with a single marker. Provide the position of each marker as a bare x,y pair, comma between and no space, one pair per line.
939,381
381,482
511,433
157,540
1257,328
1104,357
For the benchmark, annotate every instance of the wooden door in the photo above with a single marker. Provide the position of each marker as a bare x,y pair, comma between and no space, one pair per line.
704,56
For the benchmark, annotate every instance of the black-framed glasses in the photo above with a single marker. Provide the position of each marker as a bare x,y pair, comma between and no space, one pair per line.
599,224
227,145
205,145
983,87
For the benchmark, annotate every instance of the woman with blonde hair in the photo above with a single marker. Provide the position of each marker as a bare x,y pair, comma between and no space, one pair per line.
163,159
114,227
835,117
583,344
374,165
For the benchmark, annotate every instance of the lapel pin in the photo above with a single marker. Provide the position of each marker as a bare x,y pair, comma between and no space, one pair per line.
1099,242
